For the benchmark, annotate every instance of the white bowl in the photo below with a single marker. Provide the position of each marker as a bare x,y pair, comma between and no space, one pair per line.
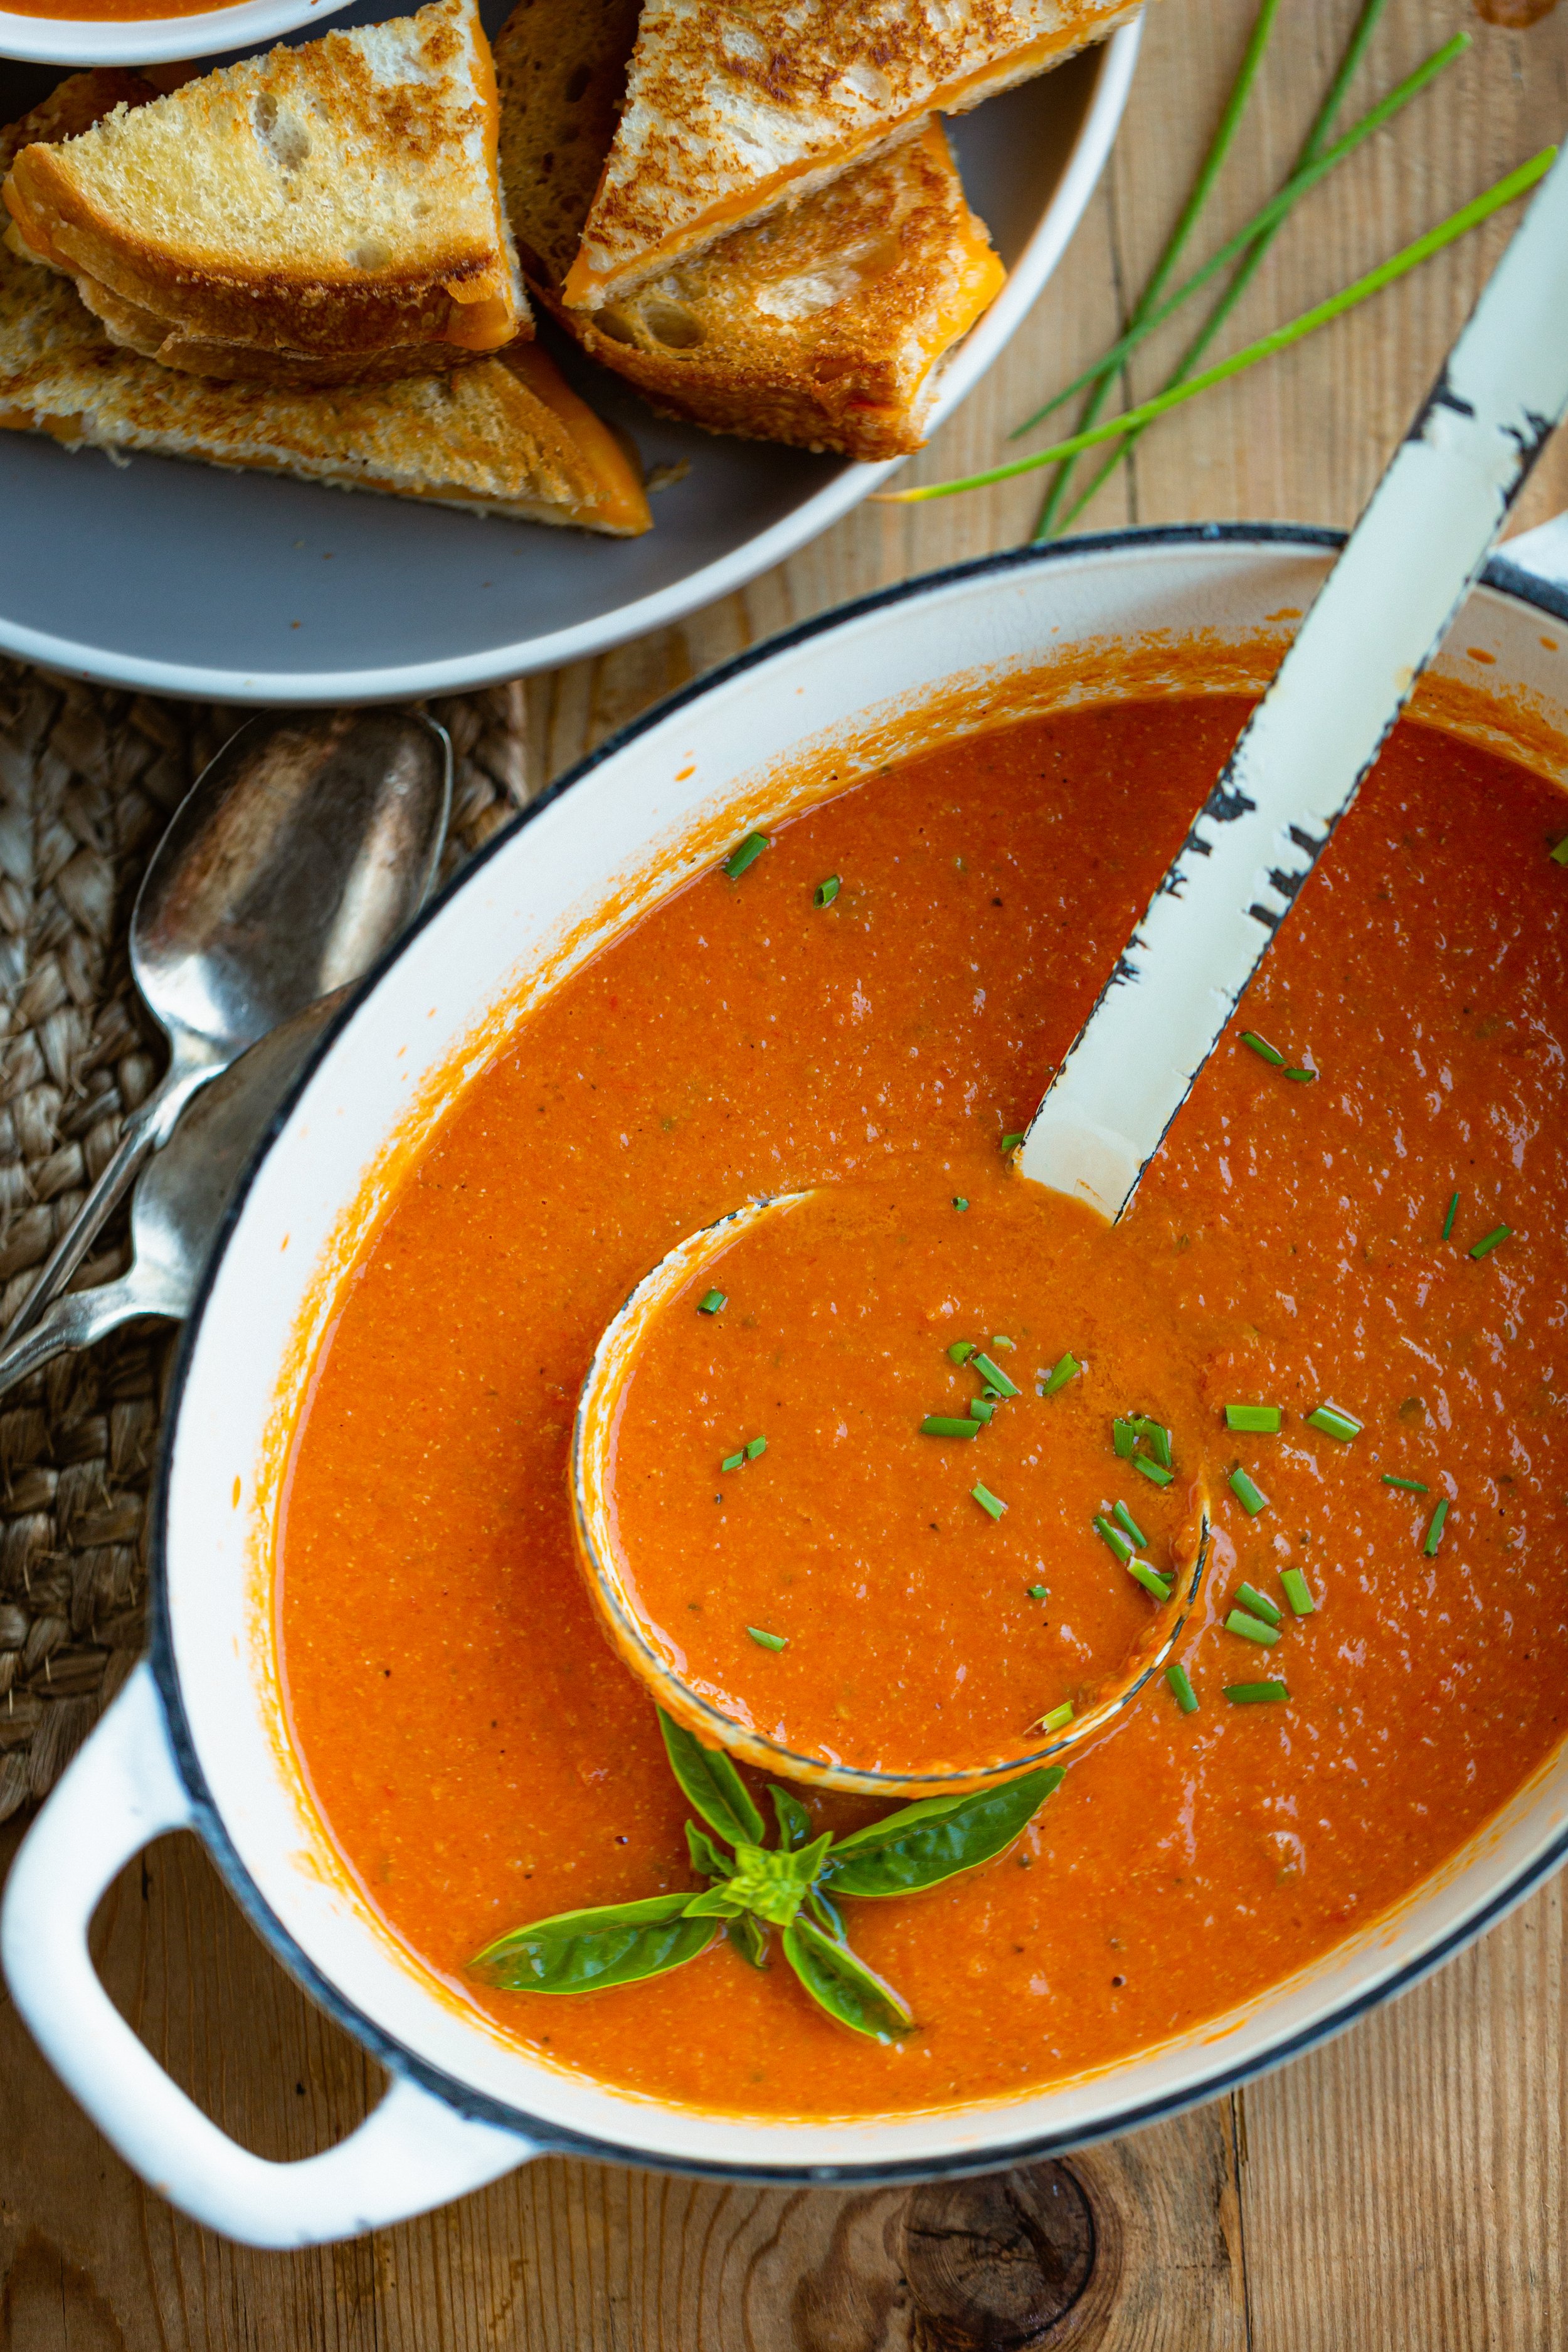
197,1737
80,41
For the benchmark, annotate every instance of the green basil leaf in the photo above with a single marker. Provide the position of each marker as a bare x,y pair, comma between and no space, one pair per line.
715,1903
713,1783
705,1855
925,1843
824,1915
750,1938
842,1985
774,1884
795,1821
587,1951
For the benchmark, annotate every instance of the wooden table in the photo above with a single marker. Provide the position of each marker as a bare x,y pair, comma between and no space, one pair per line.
1402,2187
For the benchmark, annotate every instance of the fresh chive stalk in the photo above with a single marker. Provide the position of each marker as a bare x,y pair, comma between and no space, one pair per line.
1334,1421
1250,1496
1489,1241
826,892
1261,1046
745,852
1011,1142
1252,1629
768,1640
1176,1681
1152,1471
1058,1718
1503,192
1000,1339
1149,1578
948,1424
1560,855
1298,1592
713,1304
1064,1369
961,1352
1264,1419
992,1505
992,1374
755,1446
1258,1604
1157,1439
1256,1693
1453,1213
1039,1591
1435,1531
1411,1486
1124,1438
980,1408
1303,1076
959,1202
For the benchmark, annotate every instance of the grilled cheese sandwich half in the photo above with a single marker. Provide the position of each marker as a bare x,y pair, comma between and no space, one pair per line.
824,325
503,437
734,107
324,213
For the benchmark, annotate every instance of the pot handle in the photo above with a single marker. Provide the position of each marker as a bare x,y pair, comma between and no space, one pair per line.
124,1788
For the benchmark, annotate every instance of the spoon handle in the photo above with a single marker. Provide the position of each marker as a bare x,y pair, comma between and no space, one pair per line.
76,1321
147,1128
1377,621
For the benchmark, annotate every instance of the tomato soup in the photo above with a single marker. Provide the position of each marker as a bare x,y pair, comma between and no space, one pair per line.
481,1758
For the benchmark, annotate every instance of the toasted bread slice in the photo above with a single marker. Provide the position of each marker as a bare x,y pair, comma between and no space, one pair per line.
504,437
734,106
327,202
823,325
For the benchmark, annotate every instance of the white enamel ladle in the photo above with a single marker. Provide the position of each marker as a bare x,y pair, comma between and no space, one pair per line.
1378,620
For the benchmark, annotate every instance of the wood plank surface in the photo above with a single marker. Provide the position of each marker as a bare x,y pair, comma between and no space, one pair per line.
1402,2187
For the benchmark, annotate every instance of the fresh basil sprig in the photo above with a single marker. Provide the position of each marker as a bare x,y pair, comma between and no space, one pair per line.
794,1886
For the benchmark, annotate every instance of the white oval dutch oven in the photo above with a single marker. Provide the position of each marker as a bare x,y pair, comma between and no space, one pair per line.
195,1740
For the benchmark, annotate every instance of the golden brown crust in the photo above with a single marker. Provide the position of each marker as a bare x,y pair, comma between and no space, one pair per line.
138,331
333,119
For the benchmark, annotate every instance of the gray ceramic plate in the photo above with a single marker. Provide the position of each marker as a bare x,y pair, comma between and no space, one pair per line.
180,579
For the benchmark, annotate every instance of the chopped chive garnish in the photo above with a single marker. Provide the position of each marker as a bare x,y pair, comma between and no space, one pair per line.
745,852
1411,1486
1150,1579
1258,1603
1453,1213
1256,1693
959,1201
1303,1077
1152,1471
1298,1592
1039,1591
992,1374
1176,1681
826,892
1157,1439
1560,855
1124,1437
1489,1241
980,1408
1064,1370
712,1303
768,1640
948,1424
1262,1418
1124,1519
1435,1531
1000,1339
1251,1497
755,1445
1252,1629
1011,1142
1261,1045
734,1461
992,1396
1110,1534
992,1505
1058,1718
961,1350
1334,1421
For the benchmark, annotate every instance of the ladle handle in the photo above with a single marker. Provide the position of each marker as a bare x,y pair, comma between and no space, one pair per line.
148,1128
123,1790
1380,618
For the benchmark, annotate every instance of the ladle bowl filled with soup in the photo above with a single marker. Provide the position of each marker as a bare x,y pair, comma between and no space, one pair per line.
818,931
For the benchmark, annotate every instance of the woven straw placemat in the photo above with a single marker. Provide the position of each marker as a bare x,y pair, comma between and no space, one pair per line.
88,780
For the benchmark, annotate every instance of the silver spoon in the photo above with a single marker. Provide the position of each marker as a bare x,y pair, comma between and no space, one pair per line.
1379,619
298,854
179,1201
